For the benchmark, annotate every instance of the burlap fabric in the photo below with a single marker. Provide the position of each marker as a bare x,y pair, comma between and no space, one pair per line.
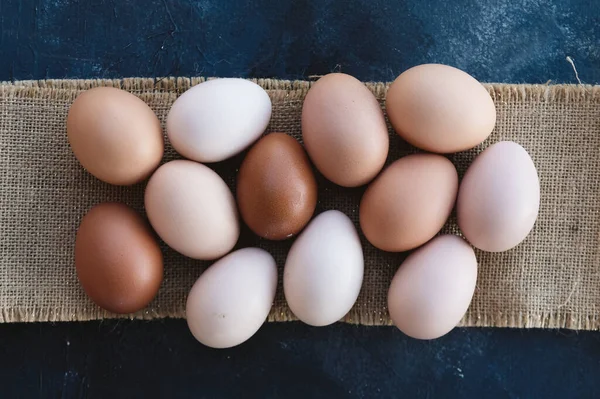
550,280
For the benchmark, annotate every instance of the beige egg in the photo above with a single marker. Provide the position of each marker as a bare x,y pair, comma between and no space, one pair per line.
409,202
499,198
115,135
433,288
191,208
232,298
440,109
344,130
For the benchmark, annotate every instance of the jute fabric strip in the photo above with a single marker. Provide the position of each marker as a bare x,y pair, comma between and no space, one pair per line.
551,280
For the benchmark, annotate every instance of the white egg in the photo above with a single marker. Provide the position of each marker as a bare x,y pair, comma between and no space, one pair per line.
433,288
324,270
217,119
232,298
499,198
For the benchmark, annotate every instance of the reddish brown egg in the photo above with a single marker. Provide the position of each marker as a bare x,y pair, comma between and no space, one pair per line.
118,261
409,202
276,188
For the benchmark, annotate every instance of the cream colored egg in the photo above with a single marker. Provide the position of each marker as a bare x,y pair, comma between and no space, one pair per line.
433,288
232,298
191,208
324,270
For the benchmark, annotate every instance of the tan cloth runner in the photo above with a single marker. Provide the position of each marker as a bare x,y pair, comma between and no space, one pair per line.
550,280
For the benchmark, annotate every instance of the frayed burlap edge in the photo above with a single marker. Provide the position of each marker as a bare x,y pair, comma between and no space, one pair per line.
546,320
66,89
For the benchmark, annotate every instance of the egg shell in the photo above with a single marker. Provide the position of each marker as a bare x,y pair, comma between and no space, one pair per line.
344,130
440,109
115,136
499,198
217,119
232,298
433,288
117,258
324,270
192,210
409,203
276,189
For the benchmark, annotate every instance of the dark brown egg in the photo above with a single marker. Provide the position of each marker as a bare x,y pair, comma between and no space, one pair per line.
276,188
118,261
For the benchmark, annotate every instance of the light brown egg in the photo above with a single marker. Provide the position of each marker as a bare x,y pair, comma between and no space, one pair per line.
276,188
440,109
433,288
344,130
115,135
409,202
118,260
191,208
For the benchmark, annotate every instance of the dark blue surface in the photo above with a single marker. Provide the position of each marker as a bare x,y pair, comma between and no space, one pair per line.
500,41
162,359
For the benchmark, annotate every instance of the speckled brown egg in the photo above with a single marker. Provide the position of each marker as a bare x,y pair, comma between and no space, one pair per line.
276,188
118,260
115,135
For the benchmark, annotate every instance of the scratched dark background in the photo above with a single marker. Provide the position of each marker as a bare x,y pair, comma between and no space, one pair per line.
496,41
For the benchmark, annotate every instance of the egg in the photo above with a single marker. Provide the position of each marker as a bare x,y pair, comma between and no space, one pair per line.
433,288
409,202
440,109
115,136
344,130
192,210
117,258
232,298
324,270
499,198
217,119
276,188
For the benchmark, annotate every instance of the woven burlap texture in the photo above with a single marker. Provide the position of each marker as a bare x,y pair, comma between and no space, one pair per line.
552,279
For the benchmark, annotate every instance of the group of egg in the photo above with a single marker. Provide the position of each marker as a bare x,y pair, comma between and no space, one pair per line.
436,108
